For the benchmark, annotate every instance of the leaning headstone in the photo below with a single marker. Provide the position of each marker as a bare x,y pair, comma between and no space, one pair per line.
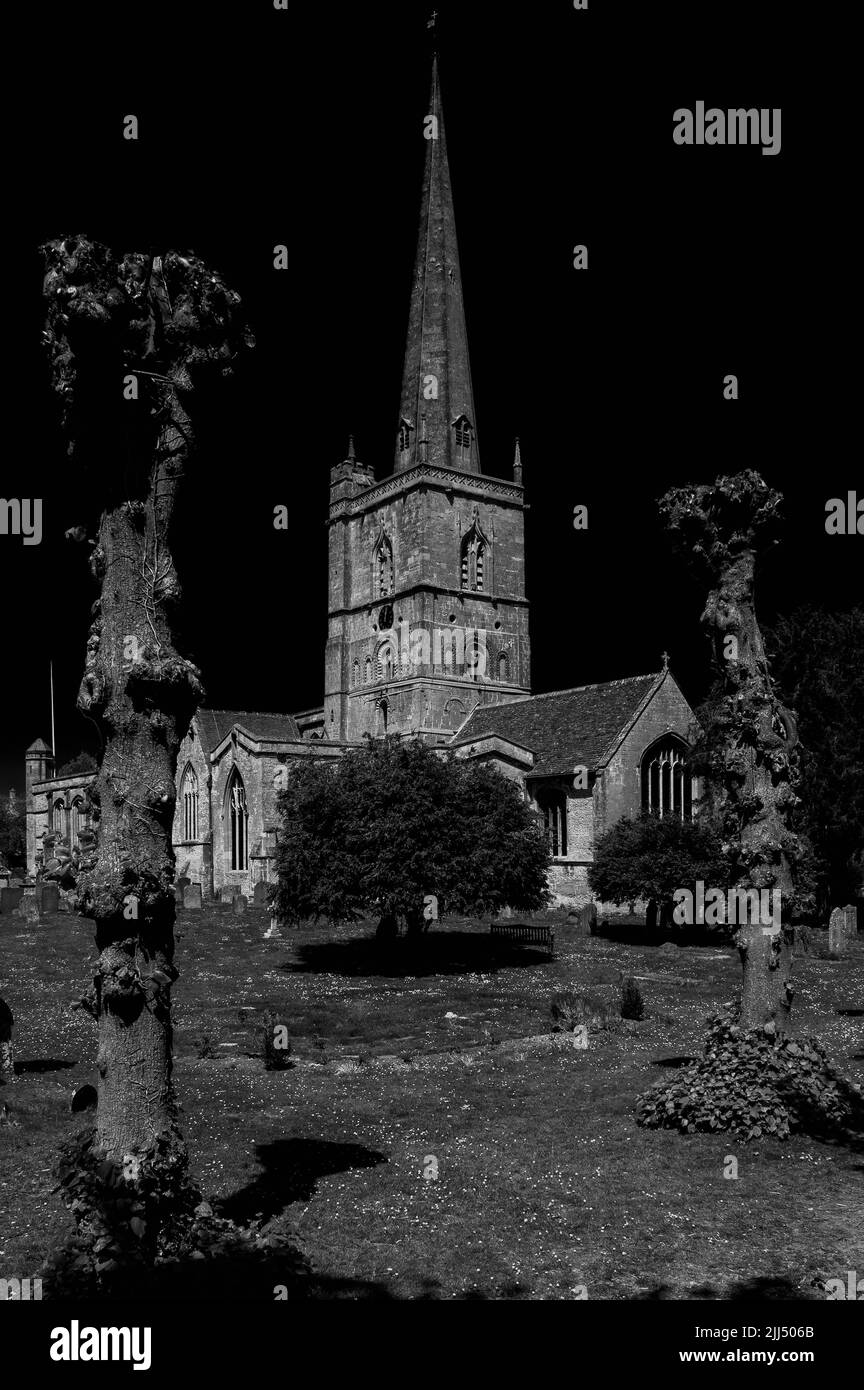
192,897
179,891
261,894
7,1059
239,905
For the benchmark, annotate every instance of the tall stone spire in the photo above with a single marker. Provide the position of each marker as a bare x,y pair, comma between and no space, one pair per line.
437,423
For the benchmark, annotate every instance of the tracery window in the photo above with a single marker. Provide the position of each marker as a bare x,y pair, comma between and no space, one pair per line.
189,800
667,786
238,822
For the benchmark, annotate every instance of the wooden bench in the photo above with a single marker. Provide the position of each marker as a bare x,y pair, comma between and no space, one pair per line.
523,935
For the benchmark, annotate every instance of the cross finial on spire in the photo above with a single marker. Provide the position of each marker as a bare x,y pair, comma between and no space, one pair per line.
665,661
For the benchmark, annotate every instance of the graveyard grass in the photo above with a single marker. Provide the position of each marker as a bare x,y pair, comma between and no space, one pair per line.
544,1182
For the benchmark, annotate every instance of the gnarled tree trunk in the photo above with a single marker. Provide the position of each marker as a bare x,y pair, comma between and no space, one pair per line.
110,320
750,745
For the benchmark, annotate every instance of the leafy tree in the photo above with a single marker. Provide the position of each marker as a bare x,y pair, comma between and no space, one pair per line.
81,763
817,659
172,326
649,857
13,838
394,823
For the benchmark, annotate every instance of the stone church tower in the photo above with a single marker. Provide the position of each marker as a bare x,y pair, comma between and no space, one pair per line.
427,610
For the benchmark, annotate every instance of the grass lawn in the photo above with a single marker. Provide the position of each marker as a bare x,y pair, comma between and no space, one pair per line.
544,1182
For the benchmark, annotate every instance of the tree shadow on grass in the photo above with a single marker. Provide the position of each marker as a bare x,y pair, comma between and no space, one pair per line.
283,1275
758,1290
435,953
37,1065
292,1168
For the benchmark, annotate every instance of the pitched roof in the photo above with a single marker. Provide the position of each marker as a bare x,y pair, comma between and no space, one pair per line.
39,746
566,728
215,724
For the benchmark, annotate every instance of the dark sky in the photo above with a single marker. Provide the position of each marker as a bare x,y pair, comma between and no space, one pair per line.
259,127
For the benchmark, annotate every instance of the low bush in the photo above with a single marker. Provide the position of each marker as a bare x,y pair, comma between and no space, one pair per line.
753,1085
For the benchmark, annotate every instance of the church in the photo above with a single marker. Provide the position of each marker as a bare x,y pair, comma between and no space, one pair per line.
428,636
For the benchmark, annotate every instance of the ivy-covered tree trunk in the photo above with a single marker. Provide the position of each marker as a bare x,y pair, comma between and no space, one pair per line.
749,743
117,326
143,695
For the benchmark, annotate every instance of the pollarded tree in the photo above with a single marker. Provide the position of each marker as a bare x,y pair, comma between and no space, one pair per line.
748,748
395,823
161,326
753,1078
649,857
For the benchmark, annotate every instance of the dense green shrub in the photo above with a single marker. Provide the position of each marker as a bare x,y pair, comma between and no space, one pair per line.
753,1085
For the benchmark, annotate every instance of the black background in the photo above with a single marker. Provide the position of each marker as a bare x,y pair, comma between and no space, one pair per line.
259,127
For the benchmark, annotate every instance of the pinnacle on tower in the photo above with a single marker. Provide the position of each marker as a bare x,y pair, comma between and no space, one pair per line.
437,423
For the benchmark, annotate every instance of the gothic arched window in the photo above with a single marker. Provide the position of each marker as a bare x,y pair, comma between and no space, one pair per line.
238,822
189,801
553,808
355,674
58,819
383,567
667,786
76,819
463,432
367,671
473,560
503,666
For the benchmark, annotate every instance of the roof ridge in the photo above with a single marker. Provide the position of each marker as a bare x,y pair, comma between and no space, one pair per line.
268,713
571,690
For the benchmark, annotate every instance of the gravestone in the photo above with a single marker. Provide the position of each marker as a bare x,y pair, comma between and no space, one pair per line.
586,920
260,894
192,897
179,890
228,892
10,898
239,905
842,928
7,1060
50,897
28,909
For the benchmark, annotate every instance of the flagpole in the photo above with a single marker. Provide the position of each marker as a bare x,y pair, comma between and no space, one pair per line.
53,745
